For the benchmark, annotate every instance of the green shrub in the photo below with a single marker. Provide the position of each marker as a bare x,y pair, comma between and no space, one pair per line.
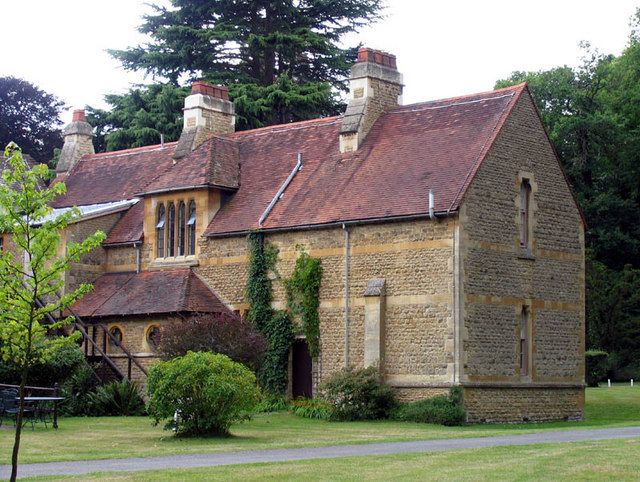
208,393
272,403
116,399
310,408
596,367
358,394
76,390
64,360
442,409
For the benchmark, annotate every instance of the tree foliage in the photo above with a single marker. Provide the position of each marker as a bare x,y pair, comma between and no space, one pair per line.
29,117
592,115
31,272
225,333
139,117
283,61
201,393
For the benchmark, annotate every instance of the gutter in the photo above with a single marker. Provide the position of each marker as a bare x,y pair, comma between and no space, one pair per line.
353,222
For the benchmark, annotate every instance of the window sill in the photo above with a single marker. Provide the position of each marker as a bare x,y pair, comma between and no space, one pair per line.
526,254
177,262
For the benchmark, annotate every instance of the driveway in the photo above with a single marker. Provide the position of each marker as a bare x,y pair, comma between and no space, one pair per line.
282,455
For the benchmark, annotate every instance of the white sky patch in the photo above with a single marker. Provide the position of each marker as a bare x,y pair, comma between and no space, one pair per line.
444,49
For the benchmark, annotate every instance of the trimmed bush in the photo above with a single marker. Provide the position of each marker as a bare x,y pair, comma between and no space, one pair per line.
225,333
207,392
596,367
358,394
116,399
442,409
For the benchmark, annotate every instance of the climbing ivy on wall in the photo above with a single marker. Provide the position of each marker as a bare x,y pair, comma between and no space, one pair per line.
276,326
303,297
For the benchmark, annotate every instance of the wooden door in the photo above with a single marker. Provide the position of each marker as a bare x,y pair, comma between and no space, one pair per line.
301,381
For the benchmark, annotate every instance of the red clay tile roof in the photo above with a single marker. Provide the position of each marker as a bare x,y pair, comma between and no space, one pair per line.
410,150
114,176
149,292
213,163
129,228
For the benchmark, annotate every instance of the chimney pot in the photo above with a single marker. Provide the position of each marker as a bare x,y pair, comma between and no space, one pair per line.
205,88
78,116
366,54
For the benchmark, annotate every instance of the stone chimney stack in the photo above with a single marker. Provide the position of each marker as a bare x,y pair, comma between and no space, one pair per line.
78,142
206,111
375,85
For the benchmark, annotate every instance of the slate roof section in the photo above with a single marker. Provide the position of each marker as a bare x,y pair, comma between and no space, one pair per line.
149,292
215,162
113,176
411,149
129,229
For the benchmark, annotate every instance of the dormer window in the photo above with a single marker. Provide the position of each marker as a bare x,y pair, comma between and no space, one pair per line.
181,229
160,231
176,231
171,231
191,226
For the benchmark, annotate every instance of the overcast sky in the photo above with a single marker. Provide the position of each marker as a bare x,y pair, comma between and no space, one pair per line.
443,48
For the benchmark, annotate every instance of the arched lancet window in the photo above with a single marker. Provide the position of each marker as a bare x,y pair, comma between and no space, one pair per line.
160,231
171,230
181,229
525,213
117,334
191,223
153,337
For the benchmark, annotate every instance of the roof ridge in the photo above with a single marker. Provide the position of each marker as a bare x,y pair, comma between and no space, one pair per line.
459,100
291,126
127,152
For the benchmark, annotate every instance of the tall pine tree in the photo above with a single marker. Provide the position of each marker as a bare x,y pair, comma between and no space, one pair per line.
281,60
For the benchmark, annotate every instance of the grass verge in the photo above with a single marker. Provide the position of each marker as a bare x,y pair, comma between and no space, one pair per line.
598,460
116,437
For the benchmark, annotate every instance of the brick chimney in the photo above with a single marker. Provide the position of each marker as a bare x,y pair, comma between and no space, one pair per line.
206,111
375,85
78,142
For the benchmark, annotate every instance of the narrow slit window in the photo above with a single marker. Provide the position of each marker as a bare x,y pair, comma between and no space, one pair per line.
181,229
191,226
524,342
171,230
525,214
160,231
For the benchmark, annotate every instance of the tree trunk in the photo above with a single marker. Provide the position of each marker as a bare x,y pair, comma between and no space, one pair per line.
16,443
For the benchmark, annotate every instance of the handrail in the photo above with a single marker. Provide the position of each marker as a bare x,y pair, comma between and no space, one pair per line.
113,338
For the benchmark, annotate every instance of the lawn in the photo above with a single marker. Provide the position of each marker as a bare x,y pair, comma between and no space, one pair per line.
107,437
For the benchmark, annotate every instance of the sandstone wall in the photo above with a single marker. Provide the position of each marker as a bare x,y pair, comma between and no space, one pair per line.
500,277
93,263
415,259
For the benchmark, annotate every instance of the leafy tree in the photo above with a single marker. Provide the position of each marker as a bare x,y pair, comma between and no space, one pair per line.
30,117
250,46
139,117
592,114
224,333
208,392
30,274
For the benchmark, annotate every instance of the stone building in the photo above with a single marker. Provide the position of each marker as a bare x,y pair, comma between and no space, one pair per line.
452,246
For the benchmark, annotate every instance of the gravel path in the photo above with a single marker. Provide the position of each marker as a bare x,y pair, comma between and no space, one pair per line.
280,455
